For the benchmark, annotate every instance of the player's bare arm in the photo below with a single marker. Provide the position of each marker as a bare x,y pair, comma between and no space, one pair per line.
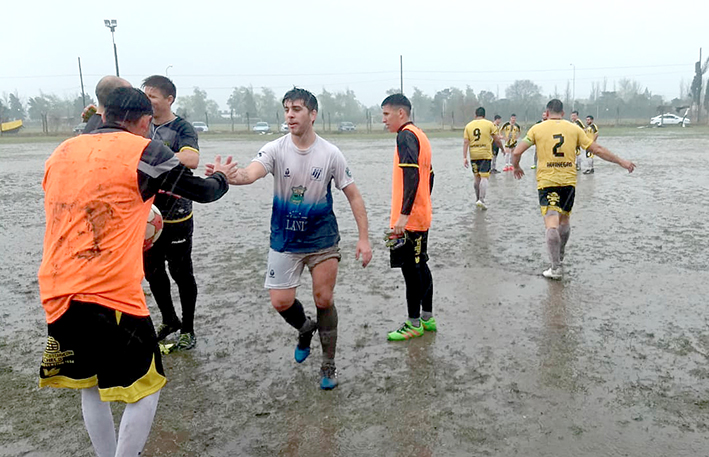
517,155
359,212
188,157
605,154
241,176
466,148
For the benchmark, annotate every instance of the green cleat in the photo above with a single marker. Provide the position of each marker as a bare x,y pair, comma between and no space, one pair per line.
429,325
187,341
407,331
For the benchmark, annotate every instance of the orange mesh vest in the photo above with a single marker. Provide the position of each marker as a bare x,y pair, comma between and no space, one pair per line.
93,241
420,217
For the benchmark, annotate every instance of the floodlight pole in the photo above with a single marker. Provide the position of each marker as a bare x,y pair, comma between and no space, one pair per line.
112,24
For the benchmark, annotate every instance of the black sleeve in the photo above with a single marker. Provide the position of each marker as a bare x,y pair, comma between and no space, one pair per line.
160,169
408,146
94,122
430,181
186,137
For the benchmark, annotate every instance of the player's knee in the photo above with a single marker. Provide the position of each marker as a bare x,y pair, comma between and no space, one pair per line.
324,299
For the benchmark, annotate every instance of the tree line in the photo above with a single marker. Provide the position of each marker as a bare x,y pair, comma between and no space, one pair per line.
451,106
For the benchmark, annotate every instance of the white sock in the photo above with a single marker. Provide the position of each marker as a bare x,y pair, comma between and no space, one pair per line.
135,425
483,189
99,422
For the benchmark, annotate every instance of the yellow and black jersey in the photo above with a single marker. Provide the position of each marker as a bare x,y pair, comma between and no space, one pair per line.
579,123
510,132
591,131
556,141
480,134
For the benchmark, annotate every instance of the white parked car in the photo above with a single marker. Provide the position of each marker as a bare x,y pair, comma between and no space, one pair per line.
261,127
200,126
669,119
284,128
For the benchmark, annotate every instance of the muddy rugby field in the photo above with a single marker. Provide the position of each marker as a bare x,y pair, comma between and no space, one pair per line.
611,361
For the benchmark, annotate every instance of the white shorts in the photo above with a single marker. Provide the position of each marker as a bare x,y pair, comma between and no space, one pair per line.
285,268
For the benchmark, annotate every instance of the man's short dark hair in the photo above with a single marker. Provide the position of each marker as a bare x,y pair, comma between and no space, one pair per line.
555,106
305,96
575,112
513,115
589,117
497,116
398,101
480,112
127,104
163,84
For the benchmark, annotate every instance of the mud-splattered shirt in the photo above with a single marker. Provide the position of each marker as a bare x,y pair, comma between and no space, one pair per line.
302,218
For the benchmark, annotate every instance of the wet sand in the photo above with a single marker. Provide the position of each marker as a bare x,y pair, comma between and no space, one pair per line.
610,361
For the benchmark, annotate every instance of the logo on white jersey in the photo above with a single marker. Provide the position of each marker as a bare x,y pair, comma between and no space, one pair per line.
287,173
316,174
298,194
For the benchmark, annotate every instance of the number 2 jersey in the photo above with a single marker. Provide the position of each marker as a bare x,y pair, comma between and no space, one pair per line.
302,218
556,141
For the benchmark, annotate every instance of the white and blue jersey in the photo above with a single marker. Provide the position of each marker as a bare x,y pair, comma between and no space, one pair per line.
302,218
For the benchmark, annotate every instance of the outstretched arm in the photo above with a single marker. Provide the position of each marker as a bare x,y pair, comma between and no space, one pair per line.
242,176
605,154
360,214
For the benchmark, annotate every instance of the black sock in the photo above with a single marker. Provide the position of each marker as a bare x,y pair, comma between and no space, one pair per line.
327,328
427,287
414,290
294,315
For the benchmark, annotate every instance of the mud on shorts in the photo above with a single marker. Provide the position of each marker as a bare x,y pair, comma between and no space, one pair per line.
414,251
481,167
559,199
285,268
92,345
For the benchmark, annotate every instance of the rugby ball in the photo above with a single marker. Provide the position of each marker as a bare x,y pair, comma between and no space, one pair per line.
153,228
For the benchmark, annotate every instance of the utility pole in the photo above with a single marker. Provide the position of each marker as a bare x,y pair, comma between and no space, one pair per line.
81,77
401,72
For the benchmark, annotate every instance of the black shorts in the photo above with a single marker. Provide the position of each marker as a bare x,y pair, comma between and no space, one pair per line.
495,150
92,345
414,251
559,199
481,167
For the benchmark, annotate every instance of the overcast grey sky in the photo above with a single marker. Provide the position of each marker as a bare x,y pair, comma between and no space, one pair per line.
217,45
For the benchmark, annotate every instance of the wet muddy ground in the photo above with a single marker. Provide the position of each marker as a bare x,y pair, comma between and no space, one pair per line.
612,361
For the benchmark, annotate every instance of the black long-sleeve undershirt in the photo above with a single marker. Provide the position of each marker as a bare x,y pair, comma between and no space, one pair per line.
160,169
408,148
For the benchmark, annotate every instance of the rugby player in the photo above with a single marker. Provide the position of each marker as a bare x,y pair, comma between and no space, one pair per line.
303,226
478,137
410,217
497,120
510,131
99,189
544,118
556,141
592,132
175,243
574,119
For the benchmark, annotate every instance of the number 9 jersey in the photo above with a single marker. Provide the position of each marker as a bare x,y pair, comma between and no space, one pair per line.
480,133
556,141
